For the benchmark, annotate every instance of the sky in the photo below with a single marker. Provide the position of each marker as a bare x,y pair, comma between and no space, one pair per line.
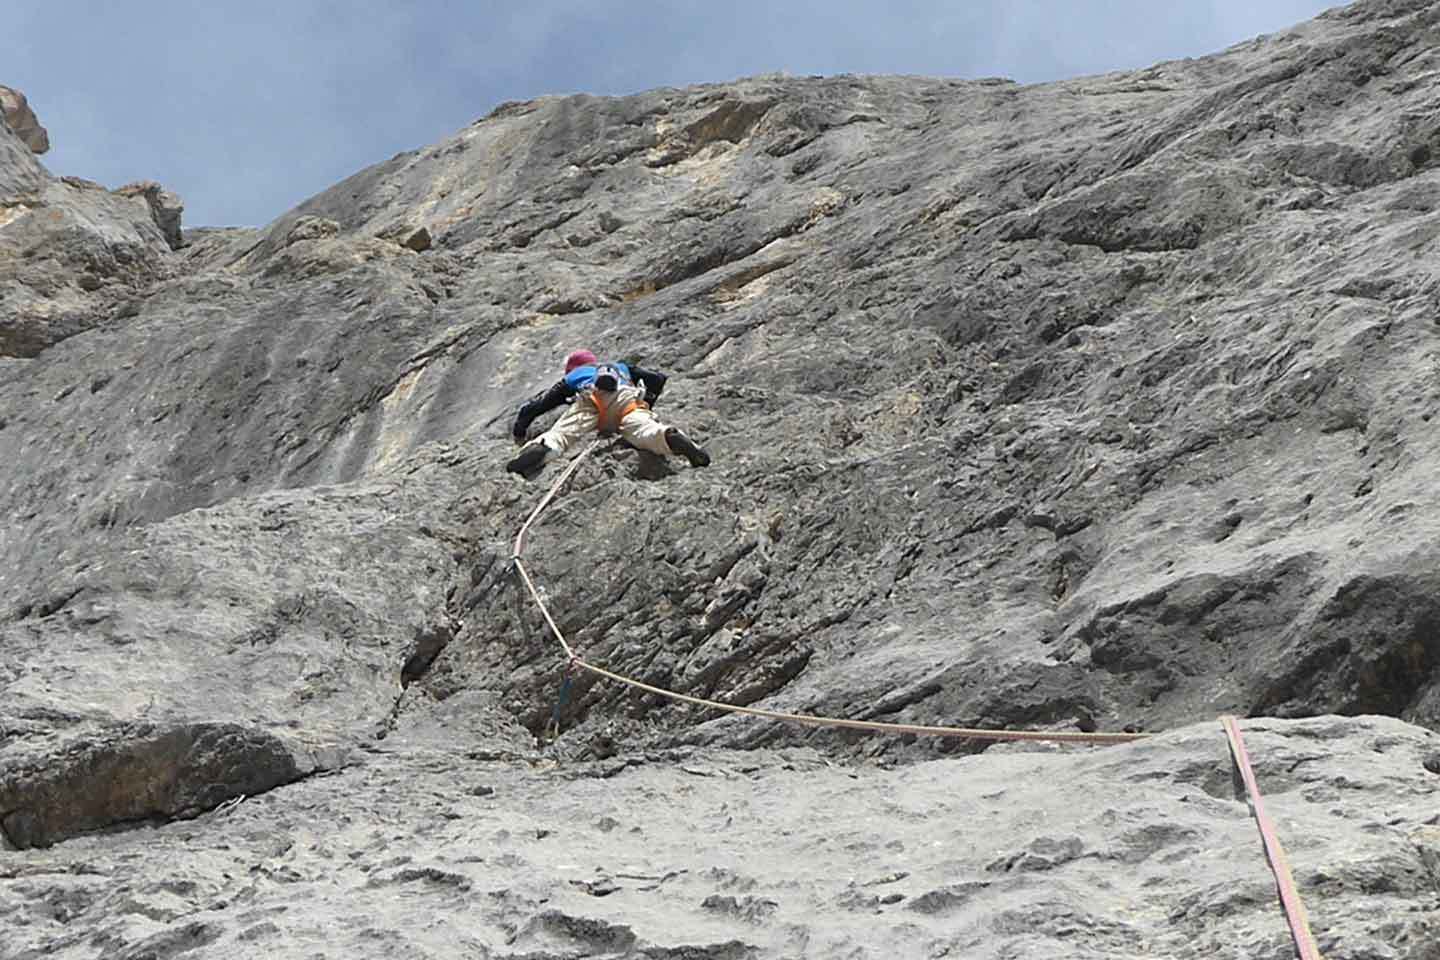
247,108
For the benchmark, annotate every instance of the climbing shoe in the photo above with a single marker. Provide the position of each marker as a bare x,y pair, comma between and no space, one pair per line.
681,444
528,460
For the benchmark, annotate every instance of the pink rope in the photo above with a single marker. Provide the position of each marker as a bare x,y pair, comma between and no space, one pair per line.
1290,900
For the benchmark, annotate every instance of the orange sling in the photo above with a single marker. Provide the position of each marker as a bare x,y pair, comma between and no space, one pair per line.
603,412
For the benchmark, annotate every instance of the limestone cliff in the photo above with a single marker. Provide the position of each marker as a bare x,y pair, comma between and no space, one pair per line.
1097,404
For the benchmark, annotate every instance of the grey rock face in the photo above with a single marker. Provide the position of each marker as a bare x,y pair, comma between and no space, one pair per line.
1134,851
1099,404
135,774
74,255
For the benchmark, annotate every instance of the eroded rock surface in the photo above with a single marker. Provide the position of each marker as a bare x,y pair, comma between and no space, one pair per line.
16,113
424,851
73,255
138,773
1101,404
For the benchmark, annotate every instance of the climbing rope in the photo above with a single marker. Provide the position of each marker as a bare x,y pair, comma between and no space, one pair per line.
1290,901
520,546
576,662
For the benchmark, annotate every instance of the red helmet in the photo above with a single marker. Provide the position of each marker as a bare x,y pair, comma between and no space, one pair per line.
578,359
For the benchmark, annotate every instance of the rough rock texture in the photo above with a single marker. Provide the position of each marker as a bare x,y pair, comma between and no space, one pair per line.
136,773
74,255
15,112
1104,403
165,208
1146,853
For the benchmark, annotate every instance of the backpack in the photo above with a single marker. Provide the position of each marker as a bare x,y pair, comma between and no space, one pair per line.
609,377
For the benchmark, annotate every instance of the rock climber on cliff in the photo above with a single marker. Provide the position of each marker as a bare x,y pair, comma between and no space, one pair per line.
607,397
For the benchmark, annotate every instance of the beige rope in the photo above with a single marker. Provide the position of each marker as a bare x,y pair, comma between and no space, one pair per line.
520,545
1289,897
1052,736
1056,736
549,496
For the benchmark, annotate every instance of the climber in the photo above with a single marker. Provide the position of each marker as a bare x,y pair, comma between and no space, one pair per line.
605,397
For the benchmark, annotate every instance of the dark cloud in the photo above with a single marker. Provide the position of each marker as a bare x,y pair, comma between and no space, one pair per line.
247,108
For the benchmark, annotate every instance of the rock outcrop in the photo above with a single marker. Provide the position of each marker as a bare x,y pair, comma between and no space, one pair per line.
73,255
165,209
1098,404
15,112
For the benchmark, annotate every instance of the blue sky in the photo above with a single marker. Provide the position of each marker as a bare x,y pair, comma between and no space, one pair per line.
245,109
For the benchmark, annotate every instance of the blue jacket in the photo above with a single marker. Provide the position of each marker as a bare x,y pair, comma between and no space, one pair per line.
580,379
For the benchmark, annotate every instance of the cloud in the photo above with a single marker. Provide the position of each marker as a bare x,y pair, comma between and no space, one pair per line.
246,109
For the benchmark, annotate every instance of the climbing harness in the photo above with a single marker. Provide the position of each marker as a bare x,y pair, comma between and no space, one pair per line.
1290,901
607,417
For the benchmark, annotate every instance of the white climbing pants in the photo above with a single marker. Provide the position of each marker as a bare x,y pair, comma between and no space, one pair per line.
623,411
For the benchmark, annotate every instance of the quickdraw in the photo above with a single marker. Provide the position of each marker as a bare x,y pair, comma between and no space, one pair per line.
553,730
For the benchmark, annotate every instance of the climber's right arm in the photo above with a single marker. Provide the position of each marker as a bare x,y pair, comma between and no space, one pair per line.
539,405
